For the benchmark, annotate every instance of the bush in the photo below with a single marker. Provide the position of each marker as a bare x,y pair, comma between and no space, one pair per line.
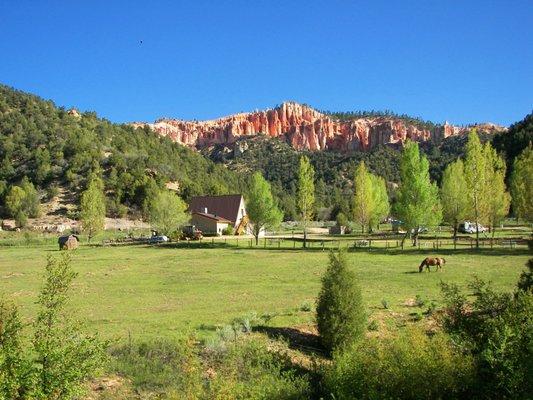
228,231
340,313
498,330
161,366
411,366
248,370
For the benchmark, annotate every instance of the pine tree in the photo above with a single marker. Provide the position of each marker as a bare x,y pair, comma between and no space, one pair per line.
418,202
522,184
306,194
363,201
261,206
453,194
340,312
475,166
92,207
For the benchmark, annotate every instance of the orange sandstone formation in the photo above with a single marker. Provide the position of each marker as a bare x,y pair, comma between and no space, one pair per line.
305,129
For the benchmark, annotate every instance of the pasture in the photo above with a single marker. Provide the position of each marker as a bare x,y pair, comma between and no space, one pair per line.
147,291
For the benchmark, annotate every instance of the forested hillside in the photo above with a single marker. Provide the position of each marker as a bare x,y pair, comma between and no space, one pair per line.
54,148
44,148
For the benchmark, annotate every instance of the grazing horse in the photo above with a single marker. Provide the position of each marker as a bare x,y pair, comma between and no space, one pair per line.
439,262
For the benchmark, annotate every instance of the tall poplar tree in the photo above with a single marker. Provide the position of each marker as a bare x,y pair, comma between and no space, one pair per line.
261,206
522,184
92,207
306,194
475,166
380,198
455,203
418,202
363,202
499,199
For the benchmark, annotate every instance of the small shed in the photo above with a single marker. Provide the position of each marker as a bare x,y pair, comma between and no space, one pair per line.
69,242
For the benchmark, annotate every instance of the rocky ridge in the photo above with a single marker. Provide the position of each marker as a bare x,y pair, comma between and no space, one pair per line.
307,129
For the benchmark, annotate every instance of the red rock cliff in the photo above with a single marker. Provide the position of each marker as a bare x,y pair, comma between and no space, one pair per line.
304,128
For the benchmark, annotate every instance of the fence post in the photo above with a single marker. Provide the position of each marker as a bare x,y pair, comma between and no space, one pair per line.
265,243
369,244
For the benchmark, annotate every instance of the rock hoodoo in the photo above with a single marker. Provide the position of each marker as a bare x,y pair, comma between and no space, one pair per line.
306,129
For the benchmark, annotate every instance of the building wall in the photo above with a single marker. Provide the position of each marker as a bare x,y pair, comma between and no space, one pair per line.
208,225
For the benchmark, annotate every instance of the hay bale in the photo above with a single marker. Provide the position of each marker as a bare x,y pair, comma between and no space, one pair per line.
69,242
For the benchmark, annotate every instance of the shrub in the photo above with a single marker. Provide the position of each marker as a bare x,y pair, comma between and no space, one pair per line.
498,330
340,313
373,325
411,366
228,231
248,370
385,304
161,366
306,306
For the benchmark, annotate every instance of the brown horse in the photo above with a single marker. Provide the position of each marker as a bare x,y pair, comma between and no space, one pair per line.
439,262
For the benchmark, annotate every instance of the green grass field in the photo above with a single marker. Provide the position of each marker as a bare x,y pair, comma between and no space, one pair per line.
149,291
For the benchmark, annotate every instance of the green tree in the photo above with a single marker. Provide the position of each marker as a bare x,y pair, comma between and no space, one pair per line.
306,194
15,200
476,179
92,208
167,212
15,372
340,312
261,206
64,356
453,193
380,199
363,200
418,202
522,184
499,199
31,204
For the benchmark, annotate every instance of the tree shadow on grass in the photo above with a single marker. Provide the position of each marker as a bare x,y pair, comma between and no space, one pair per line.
305,342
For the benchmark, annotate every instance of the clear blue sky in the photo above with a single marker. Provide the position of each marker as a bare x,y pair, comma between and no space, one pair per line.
462,61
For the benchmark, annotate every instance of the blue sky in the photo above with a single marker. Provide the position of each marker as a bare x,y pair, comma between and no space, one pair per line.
461,61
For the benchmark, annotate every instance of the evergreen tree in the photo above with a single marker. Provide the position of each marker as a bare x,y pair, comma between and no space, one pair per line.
167,212
340,313
363,201
380,200
499,199
454,197
522,185
476,179
418,202
261,206
92,207
306,194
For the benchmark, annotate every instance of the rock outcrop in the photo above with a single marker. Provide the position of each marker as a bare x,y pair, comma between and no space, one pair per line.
306,129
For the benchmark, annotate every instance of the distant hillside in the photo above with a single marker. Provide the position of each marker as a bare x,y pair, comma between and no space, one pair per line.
55,148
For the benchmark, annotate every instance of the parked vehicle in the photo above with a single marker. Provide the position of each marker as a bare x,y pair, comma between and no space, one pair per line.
158,239
191,232
470,227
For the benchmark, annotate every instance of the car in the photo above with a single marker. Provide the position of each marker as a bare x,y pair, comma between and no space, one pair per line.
158,239
470,227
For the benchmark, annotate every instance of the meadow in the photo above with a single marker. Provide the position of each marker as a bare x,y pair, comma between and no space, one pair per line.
145,291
